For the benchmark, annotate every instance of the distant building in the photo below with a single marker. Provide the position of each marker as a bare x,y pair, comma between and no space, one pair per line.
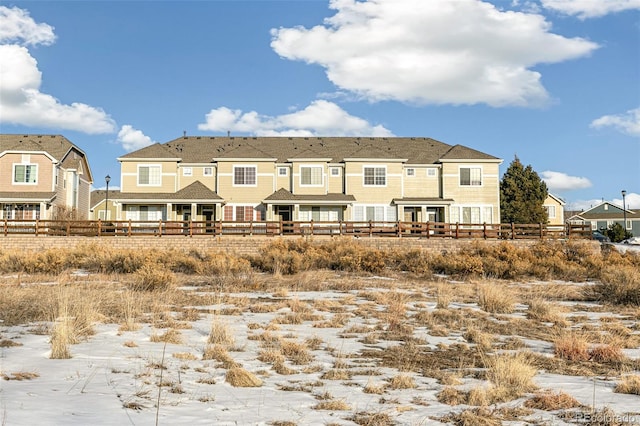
555,209
606,214
42,176
304,179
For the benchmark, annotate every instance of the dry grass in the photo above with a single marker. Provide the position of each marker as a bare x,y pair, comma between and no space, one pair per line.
152,277
219,353
510,376
571,347
220,333
333,405
241,378
496,298
402,381
543,311
21,375
629,385
172,336
551,401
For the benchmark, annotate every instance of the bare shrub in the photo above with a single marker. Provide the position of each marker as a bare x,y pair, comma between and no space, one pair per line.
510,376
619,284
219,353
333,405
609,353
220,333
541,310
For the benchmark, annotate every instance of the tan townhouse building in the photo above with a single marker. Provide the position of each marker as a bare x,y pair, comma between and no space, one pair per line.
303,179
41,176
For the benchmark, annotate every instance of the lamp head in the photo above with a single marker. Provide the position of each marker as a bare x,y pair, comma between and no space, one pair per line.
107,178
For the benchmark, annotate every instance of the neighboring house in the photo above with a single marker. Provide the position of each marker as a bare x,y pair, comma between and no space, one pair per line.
555,209
42,176
304,179
605,214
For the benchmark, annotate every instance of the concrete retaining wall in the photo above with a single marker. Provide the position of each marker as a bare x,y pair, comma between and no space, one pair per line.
237,245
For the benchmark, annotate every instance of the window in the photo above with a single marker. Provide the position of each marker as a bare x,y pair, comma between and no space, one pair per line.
311,175
411,172
375,176
470,176
471,215
187,171
374,213
239,213
431,172
244,175
208,171
149,175
282,171
25,173
551,211
335,171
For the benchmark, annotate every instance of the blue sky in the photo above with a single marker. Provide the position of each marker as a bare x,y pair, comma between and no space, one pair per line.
554,82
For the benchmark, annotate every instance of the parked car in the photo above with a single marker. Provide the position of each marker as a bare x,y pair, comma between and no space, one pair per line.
597,235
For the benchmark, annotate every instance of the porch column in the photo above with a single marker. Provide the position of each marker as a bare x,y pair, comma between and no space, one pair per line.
169,211
423,214
218,208
400,212
43,211
269,212
194,211
296,212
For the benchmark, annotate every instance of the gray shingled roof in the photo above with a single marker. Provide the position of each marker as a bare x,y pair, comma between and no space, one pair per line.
56,145
197,191
199,149
31,196
284,195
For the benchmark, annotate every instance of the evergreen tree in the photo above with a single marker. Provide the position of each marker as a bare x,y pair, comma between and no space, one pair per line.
522,195
616,233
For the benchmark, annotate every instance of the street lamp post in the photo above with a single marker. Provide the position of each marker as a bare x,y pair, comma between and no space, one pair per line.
624,213
107,179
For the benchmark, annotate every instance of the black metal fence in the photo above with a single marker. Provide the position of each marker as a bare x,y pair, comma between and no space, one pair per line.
130,228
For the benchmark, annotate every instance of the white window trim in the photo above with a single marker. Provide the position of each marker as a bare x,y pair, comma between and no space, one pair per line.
471,167
375,166
205,169
187,171
336,170
411,172
432,172
13,174
233,176
286,171
312,166
149,166
548,208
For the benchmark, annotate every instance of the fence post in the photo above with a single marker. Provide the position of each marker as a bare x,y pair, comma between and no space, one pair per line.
37,223
541,231
99,227
457,230
68,228
190,228
513,231
428,230
129,229
398,230
370,228
484,230
6,226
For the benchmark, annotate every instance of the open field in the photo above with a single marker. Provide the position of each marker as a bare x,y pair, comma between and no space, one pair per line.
321,334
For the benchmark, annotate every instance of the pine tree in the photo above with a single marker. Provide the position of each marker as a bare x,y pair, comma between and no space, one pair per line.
522,195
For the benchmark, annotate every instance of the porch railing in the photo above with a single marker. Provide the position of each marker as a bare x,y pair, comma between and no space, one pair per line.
129,228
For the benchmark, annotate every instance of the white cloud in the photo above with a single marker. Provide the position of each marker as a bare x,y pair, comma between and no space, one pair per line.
584,9
632,202
558,181
432,52
16,26
320,118
628,123
132,139
21,101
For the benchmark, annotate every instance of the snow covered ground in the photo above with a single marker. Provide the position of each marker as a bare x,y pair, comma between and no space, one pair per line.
113,376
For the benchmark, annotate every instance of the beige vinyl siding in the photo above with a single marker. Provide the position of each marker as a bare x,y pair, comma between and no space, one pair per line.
319,188
421,184
354,179
283,181
555,207
245,194
84,191
486,194
129,177
197,174
335,185
44,177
